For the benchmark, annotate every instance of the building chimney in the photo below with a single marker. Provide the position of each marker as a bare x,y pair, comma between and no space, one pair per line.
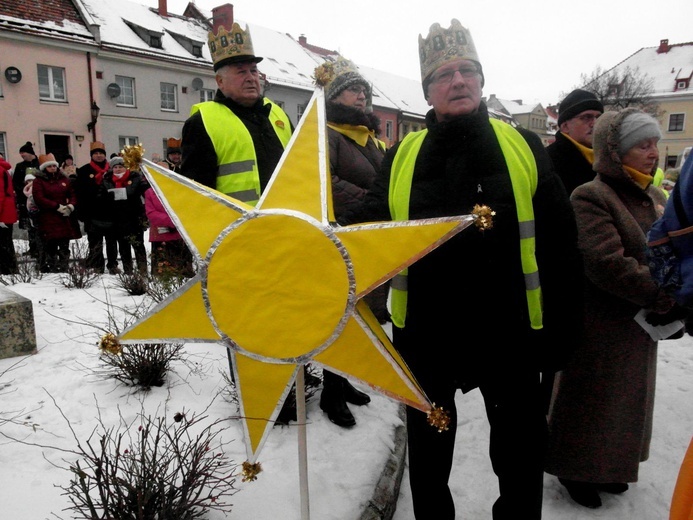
303,40
222,16
663,46
163,8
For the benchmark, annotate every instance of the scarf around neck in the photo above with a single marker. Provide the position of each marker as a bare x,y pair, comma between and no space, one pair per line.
587,153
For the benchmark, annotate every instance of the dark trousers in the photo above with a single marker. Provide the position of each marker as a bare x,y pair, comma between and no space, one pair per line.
8,256
136,242
518,434
96,238
55,255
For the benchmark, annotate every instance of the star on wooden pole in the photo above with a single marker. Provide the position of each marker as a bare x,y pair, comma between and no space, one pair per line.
280,285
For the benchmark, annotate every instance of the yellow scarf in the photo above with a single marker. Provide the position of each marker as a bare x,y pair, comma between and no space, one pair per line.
587,153
642,179
358,133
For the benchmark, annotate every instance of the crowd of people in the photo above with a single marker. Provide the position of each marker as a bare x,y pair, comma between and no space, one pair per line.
536,312
56,203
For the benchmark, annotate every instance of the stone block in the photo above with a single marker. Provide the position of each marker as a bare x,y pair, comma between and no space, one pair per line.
17,328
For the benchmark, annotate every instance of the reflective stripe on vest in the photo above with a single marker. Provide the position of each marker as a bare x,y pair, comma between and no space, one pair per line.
237,173
523,176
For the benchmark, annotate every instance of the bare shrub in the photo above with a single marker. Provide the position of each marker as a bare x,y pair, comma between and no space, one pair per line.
27,271
165,283
138,364
78,275
149,468
134,283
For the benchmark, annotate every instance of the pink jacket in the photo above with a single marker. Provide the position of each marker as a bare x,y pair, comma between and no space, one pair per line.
159,219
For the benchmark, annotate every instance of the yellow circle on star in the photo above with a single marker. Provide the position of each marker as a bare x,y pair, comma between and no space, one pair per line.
313,281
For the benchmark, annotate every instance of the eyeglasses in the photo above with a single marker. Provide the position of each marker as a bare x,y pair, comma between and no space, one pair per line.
447,75
358,89
588,118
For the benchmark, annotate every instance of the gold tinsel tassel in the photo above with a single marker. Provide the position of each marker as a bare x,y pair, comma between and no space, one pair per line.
484,217
250,471
439,418
110,344
132,156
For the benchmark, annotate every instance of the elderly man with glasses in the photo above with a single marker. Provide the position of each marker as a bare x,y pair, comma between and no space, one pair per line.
571,152
493,308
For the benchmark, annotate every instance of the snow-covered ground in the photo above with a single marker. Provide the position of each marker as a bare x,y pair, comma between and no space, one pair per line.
343,465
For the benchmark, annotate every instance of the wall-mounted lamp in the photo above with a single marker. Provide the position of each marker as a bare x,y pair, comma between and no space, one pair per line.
94,115
79,138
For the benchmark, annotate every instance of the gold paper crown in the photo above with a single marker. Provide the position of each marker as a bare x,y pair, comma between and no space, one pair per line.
444,45
231,47
326,73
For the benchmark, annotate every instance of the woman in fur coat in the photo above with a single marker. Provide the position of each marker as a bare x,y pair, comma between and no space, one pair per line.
601,416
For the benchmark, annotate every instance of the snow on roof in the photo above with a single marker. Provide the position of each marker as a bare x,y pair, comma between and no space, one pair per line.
665,68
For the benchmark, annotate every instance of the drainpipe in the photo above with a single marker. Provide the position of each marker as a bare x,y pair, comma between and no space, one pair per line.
91,95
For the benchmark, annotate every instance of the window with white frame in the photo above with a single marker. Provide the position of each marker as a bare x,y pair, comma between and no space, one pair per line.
675,123
127,140
127,91
389,126
3,145
299,111
206,94
51,82
168,97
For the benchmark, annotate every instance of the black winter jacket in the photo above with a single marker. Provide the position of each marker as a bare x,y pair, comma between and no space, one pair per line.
467,310
569,163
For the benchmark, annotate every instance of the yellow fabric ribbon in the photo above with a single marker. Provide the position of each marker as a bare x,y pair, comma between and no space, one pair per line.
642,179
587,153
357,133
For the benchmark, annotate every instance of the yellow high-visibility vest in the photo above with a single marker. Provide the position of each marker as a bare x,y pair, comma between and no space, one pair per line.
523,176
237,173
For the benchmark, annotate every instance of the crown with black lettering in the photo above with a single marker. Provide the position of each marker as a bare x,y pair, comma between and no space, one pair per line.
444,45
235,46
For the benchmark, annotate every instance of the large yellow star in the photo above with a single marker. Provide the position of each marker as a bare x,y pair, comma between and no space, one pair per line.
280,285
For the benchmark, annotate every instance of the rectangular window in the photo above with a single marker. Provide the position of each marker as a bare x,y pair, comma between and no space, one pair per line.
127,91
51,83
3,145
676,123
299,111
206,94
127,140
168,97
388,129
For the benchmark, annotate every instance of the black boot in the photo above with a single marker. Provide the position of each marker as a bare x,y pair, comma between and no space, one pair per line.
354,396
332,400
584,493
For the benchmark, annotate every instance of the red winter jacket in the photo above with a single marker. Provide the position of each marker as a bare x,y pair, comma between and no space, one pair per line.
8,203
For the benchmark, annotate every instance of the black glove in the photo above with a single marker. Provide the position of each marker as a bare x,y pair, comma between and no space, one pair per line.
675,313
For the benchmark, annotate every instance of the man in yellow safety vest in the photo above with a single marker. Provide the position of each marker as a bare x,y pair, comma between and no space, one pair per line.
493,309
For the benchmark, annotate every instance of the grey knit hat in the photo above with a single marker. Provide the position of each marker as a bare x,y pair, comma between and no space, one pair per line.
116,160
344,81
635,128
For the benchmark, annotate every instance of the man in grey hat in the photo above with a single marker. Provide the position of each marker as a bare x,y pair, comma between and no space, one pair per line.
495,308
571,152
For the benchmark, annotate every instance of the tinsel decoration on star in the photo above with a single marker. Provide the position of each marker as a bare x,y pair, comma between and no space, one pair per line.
132,156
324,74
109,344
438,418
484,217
250,471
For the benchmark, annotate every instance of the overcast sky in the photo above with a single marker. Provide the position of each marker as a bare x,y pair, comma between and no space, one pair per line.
534,50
